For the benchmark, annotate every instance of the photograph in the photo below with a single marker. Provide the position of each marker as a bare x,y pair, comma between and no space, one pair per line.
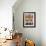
29,19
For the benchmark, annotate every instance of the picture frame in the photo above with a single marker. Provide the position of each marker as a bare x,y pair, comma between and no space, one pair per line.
29,19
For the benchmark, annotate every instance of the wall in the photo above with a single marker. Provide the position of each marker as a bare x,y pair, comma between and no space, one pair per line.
29,33
6,16
43,22
6,13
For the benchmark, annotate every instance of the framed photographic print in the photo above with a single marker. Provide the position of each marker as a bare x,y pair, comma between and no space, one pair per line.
29,19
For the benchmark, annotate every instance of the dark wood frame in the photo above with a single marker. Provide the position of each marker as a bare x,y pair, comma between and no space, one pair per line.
34,20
